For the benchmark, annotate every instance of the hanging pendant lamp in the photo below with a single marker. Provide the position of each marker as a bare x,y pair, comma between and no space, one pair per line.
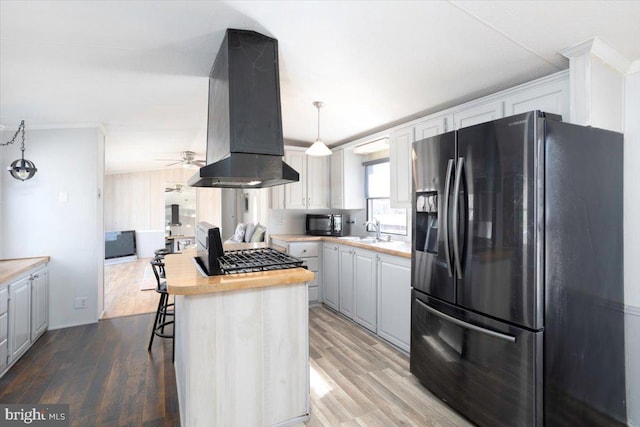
318,148
21,169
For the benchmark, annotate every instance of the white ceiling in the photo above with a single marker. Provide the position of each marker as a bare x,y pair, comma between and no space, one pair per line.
140,68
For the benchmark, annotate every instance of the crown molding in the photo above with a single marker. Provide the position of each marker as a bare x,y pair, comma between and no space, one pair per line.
601,50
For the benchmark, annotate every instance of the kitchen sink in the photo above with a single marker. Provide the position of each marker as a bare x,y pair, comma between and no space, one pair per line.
368,240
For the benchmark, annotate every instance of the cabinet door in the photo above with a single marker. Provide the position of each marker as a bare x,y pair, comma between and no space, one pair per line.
551,98
19,317
394,300
296,192
39,303
478,114
400,167
365,289
345,294
317,182
432,127
347,180
337,158
330,276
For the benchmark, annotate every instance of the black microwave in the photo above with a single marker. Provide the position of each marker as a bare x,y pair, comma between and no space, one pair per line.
326,225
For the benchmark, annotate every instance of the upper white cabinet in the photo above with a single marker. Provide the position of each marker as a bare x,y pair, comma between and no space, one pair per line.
552,97
318,182
484,112
433,126
400,166
311,191
347,180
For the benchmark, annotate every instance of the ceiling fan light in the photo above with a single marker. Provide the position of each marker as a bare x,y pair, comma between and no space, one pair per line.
318,149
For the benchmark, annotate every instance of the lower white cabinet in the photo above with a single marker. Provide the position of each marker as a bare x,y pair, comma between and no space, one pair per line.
309,252
24,315
19,317
373,289
39,303
394,300
330,274
4,328
345,280
365,288
357,285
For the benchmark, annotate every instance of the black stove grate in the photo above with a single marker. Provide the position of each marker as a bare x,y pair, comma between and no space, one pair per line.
254,260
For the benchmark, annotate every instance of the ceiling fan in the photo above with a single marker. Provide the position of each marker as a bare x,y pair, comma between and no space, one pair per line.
188,160
177,188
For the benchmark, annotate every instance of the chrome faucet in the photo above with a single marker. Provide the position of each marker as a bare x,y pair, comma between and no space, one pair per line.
376,224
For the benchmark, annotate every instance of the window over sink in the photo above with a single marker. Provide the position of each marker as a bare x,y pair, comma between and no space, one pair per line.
377,192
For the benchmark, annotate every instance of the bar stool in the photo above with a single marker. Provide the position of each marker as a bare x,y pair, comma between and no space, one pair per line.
164,309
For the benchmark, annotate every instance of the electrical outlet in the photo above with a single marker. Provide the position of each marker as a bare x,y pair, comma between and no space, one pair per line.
281,220
80,303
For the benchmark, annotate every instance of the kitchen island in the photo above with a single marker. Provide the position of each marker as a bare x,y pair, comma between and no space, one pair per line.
241,346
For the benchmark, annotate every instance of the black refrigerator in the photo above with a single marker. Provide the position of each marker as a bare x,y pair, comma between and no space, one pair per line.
517,272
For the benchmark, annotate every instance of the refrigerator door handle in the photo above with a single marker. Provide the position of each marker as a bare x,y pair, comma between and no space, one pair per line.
456,216
447,190
467,325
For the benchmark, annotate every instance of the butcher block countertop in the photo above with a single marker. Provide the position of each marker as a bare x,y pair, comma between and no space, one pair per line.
13,268
394,247
183,278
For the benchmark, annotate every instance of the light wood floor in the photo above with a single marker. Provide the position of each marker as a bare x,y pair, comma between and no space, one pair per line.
122,294
359,380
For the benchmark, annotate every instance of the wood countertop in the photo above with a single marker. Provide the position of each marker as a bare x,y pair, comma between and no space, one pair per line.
13,268
395,247
183,278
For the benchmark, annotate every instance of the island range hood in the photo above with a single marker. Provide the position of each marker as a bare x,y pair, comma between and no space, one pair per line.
244,128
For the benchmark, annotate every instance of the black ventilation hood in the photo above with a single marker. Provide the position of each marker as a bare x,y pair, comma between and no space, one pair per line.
244,128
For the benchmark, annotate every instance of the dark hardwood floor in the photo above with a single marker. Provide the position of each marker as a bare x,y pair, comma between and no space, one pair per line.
103,371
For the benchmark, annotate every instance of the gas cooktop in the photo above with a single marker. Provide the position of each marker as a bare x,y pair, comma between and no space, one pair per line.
254,260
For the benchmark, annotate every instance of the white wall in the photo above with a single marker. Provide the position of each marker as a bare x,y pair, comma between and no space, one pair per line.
37,221
632,242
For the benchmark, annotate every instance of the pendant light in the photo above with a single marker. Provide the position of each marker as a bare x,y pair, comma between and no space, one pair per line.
21,169
318,148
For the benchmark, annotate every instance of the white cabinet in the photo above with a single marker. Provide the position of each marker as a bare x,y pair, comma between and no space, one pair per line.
365,288
400,166
24,314
312,190
296,192
4,328
347,180
309,252
357,285
39,303
345,280
552,97
330,275
394,300
318,182
19,317
433,126
481,113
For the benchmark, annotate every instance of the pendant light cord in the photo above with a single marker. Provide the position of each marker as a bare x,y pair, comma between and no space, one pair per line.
21,127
